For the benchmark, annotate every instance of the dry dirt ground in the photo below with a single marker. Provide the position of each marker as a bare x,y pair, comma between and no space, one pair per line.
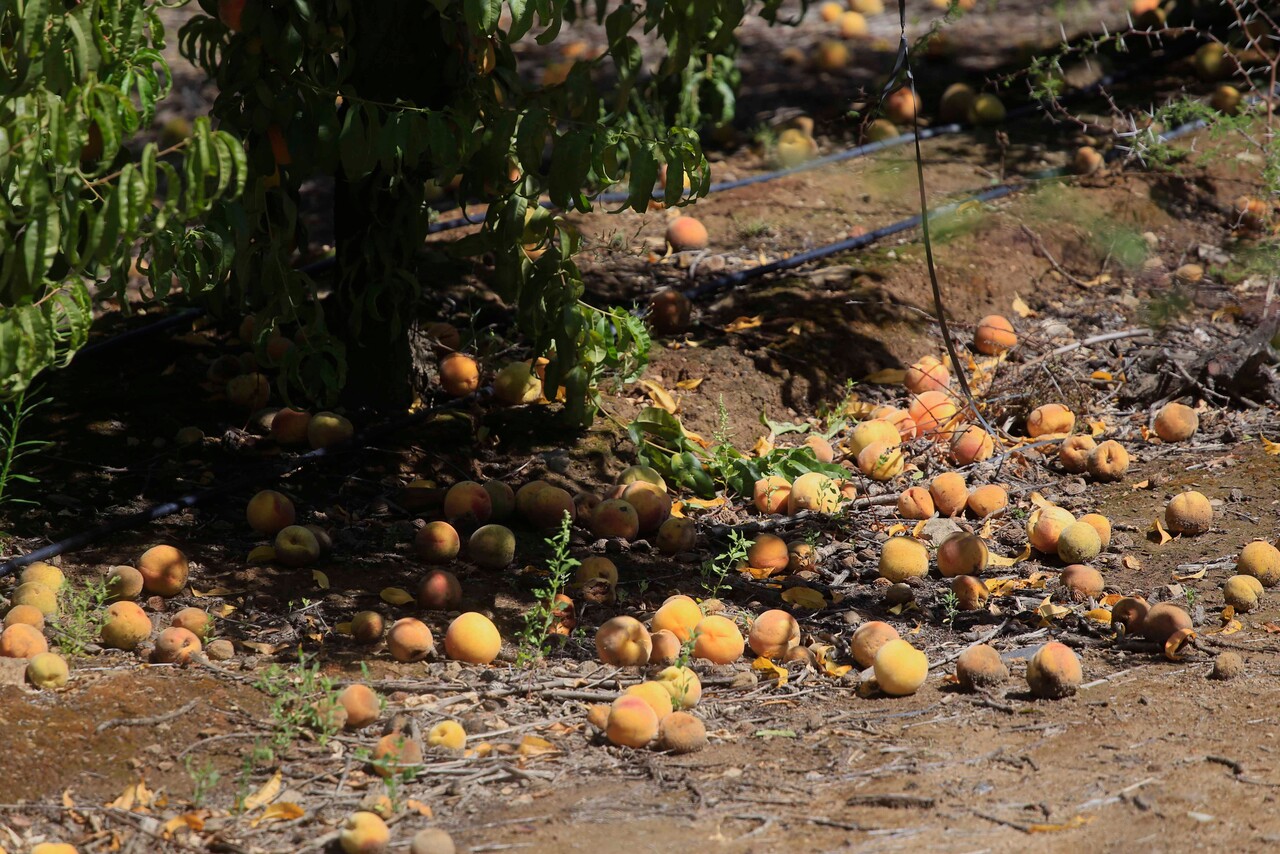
1150,753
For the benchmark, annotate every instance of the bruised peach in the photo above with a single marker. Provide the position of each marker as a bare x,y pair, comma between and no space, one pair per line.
915,503
678,615
801,557
1101,524
655,695
980,668
685,234
615,518
1079,543
821,448
361,704
596,567
124,582
773,633
27,614
867,640
652,505
676,536
473,638
437,542
987,500
902,558
1083,582
1242,592
125,627
682,684
47,670
1163,621
962,554
584,504
768,552
1108,461
1188,513
718,640
670,312
1130,613
681,732
175,645
623,642
459,374
549,506
872,431
164,570
492,547
1073,453
327,429
971,444
194,620
1054,672
813,491
900,668
928,374
771,493
395,754
36,595
631,723
666,647
1045,526
1050,419
366,627
290,426
994,334
439,590
880,461
932,411
468,500
1260,560
22,641
971,594
410,640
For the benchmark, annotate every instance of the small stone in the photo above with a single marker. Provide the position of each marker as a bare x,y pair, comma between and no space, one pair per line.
1189,273
1228,665
220,650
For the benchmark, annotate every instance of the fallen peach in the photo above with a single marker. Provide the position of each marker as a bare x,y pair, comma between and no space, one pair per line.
296,545
980,668
902,105
175,645
27,614
771,494
164,570
1050,419
852,26
290,426
949,492
1101,524
773,633
615,518
445,337
1242,592
1083,582
623,642
1108,461
821,448
432,840
327,429
880,130
682,684
932,411
1163,621
657,696
194,620
681,732
1054,672
718,640
994,334
468,501
648,474
269,511
22,641
596,567
410,640
971,594
459,374
362,705
801,557
396,754
525,495
987,500
1260,560
517,384
881,462
584,504
867,640
44,573
47,670
830,56
813,491
125,627
652,505
768,552
1188,513
685,234
830,12
37,596
631,723
439,590
472,638
249,391
902,558
437,542
900,668
962,554
492,547
871,431
1079,543
1087,160
679,615
1045,526
670,312
987,109
1073,453
665,647
447,734
928,374
971,444
915,503
123,582
676,536
364,833
1130,613
502,500
366,627
549,506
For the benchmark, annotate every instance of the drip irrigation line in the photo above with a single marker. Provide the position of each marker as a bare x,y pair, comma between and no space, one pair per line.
159,511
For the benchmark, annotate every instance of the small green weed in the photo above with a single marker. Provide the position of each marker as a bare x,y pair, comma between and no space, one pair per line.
541,617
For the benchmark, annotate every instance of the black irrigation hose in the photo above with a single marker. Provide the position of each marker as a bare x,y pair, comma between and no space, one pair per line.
168,508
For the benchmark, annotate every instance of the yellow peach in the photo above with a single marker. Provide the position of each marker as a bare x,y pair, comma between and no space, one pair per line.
631,723
437,542
37,596
447,734
1260,560
164,570
473,638
1050,419
902,558
1073,453
657,696
768,552
269,511
813,491
1054,672
682,684
771,494
867,640
900,668
773,633
468,501
987,500
962,554
1108,461
362,705
915,503
366,627
125,627
871,431
22,641
47,670
364,833
718,640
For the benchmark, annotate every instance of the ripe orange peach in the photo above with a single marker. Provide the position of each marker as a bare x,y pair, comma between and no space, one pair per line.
615,518
681,732
27,614
632,722
902,105
980,668
915,503
1188,513
1130,613
718,640
164,570
987,500
366,627
931,411
459,374
125,627
902,558
771,494
928,374
175,645
362,705
1087,160
813,491
830,56
670,312
679,615
439,591
472,638
773,633
881,462
396,753
623,642
37,596
468,500
410,640
853,26
492,547
900,668
682,684
684,234
898,419
289,426
962,554
22,641
994,335
297,545
1101,524
194,620
124,582
1084,582
768,552
652,505
971,594
821,448
1054,672
1108,461
867,640
269,511
1051,418
437,542
1176,422
1045,526
949,492
1073,453
364,833
656,695
548,507
677,536
327,429
666,647
47,670
971,444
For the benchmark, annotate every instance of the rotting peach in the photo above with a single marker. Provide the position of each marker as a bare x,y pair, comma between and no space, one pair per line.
994,335
902,558
971,444
773,633
1073,453
681,732
472,637
915,502
595,567
502,500
549,507
297,545
881,462
657,696
22,641
36,595
682,684
980,668
194,620
439,590
396,753
1054,672
670,312
459,374
813,491
679,615
801,557
1101,524
652,505
410,640
1078,543
125,627
27,614
1130,613
623,642
686,234
492,546
1108,461
1260,560
175,645
949,492
1050,420
123,582
47,670
437,542
269,511
676,536
718,640
1045,526
362,705
871,431
768,552
666,647
962,554
44,573
164,570
631,722
1188,513
900,668
366,627
615,518
931,412
1176,422
867,640
290,426
447,734
928,374
1163,621
1242,592
987,500
1082,582
327,429
971,594
468,501
584,504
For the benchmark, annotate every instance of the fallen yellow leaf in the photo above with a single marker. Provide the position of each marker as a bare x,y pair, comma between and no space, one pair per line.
1272,448
262,554
268,792
532,745
804,597
1074,822
321,580
1021,309
188,820
1099,615
1101,375
660,396
743,323
768,666
1162,535
822,652
689,385
280,811
1191,576
395,596
1001,560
